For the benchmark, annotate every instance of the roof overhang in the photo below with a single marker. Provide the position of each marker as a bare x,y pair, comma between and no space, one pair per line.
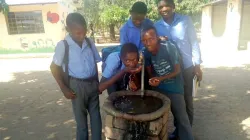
214,2
30,2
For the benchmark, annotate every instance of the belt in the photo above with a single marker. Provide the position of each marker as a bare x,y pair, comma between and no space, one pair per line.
90,79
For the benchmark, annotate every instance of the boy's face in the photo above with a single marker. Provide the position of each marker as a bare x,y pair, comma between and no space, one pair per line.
137,19
78,32
130,60
150,40
165,10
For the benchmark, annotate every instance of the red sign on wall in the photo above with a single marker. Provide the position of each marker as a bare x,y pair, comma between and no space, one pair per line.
52,17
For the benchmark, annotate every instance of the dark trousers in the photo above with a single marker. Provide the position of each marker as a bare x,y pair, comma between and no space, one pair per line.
188,76
178,108
86,102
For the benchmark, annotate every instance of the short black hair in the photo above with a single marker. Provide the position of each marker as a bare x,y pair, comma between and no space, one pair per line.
129,48
169,2
147,28
76,18
139,8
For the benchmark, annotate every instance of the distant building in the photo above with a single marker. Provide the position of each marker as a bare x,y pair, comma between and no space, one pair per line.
34,24
226,24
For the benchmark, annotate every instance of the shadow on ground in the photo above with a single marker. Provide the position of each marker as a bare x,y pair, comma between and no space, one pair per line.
222,105
33,108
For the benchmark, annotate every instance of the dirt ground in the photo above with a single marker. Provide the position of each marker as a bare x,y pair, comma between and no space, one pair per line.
33,108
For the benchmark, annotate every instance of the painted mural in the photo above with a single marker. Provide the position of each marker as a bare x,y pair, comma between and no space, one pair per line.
39,43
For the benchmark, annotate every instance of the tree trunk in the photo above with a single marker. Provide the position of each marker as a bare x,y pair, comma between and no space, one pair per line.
112,31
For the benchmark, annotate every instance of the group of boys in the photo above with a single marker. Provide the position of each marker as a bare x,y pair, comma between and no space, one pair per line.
172,58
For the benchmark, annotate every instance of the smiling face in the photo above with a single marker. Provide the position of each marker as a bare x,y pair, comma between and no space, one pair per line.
165,9
150,40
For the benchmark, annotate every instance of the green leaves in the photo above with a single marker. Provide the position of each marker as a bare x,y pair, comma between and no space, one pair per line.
4,8
114,14
103,13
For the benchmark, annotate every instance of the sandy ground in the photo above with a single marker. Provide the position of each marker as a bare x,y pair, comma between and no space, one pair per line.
33,108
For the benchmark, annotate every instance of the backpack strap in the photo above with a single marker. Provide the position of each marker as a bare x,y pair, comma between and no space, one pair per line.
89,44
120,64
66,63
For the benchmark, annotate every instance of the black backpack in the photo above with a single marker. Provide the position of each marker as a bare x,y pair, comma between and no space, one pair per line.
66,62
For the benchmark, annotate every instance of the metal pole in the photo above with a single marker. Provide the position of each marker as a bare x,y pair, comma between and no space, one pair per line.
142,74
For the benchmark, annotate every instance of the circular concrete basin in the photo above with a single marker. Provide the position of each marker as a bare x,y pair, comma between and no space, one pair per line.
131,106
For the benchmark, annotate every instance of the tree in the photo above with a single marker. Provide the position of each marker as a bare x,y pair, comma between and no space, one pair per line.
4,8
91,11
112,16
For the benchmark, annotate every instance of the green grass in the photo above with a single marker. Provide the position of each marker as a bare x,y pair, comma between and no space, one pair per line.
31,50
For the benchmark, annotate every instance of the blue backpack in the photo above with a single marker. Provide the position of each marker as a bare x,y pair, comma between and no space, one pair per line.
107,51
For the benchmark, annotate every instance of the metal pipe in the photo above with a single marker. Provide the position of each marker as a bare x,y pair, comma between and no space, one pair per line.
142,73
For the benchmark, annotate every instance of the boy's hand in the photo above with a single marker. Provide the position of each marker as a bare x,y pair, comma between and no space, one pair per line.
68,93
155,81
132,86
198,72
133,82
163,38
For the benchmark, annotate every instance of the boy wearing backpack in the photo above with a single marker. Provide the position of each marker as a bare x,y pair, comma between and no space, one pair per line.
131,30
75,58
121,70
165,72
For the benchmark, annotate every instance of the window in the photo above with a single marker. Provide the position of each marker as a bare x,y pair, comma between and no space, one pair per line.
25,22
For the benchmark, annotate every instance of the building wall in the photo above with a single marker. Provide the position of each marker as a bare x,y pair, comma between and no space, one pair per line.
245,26
48,39
229,39
219,13
54,30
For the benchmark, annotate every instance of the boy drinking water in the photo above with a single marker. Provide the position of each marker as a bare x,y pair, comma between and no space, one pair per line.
164,69
82,88
121,66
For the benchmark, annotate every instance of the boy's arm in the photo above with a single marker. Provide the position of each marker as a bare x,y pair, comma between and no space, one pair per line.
195,48
105,82
149,71
176,71
57,72
108,78
174,56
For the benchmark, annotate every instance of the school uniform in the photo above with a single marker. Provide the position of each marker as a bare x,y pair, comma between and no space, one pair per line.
129,33
182,32
163,63
82,81
113,65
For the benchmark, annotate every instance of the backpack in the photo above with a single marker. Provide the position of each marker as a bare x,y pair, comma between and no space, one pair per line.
168,48
66,62
107,51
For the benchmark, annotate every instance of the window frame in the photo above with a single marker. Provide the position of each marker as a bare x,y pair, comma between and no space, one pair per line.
15,28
